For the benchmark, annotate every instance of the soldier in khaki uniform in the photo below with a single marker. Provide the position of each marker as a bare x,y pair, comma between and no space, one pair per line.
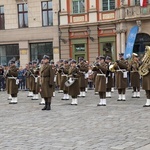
64,74
135,76
109,77
83,69
12,84
34,84
30,80
58,77
74,90
144,71
121,67
27,75
100,80
97,60
47,82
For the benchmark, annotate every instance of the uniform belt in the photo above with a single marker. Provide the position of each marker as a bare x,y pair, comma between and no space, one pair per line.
64,75
134,71
122,70
45,76
101,74
12,78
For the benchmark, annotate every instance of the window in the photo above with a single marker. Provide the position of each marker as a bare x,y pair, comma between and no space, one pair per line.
108,49
78,6
108,5
47,13
23,15
137,2
2,23
79,47
7,52
38,50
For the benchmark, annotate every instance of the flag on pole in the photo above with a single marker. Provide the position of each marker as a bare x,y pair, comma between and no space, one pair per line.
130,42
143,3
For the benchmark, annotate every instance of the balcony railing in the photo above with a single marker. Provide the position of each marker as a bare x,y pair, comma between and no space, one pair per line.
137,11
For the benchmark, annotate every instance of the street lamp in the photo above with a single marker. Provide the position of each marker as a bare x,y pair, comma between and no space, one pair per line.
89,32
61,39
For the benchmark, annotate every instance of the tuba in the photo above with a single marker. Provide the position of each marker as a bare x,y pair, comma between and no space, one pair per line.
143,69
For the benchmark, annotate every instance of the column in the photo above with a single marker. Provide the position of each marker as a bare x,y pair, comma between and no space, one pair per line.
118,45
123,40
63,5
24,52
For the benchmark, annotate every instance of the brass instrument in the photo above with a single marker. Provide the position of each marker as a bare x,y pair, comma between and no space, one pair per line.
144,68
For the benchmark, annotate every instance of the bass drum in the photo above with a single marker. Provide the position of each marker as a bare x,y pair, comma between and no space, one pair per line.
69,82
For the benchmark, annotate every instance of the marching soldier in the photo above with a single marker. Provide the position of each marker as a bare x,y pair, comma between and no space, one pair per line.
6,80
100,80
27,75
144,71
135,76
121,67
109,77
64,74
47,82
12,83
29,79
97,61
83,69
58,78
42,100
34,80
55,73
74,90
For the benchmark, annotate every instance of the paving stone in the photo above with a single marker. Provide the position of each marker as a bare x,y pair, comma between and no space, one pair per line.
119,125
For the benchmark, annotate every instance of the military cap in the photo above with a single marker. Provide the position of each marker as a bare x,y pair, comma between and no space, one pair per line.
30,63
61,60
101,57
45,57
66,61
69,59
108,58
81,58
52,62
12,62
121,54
134,54
34,62
73,61
97,58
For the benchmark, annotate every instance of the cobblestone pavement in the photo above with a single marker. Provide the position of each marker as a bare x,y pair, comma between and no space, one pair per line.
118,126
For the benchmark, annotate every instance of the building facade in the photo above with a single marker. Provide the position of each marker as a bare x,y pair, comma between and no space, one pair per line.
89,28
28,30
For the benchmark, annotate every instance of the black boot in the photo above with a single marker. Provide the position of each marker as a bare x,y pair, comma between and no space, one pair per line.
45,107
48,106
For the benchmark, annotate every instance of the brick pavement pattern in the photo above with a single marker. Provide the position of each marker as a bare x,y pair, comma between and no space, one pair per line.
118,126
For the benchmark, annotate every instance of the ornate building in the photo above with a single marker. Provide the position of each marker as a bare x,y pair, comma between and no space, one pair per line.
89,28
28,30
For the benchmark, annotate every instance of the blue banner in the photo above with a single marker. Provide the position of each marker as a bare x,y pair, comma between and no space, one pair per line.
130,42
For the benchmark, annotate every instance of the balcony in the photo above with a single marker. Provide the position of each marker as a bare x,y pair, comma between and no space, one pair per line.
137,12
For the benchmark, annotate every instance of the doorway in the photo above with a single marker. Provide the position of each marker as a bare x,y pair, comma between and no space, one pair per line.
142,40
